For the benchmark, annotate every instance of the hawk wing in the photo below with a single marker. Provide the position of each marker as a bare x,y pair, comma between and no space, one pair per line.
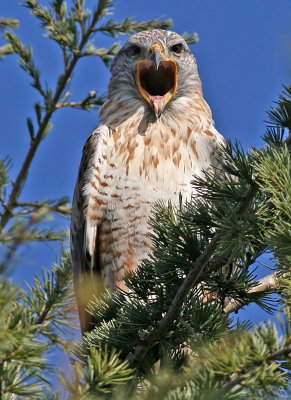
87,213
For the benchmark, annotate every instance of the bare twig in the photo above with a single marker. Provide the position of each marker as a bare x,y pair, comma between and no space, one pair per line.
64,210
189,282
24,235
268,283
90,101
73,104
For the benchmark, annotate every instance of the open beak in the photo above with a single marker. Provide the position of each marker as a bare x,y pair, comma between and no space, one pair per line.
157,79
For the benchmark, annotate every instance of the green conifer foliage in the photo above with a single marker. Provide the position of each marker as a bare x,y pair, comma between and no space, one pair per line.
173,335
175,325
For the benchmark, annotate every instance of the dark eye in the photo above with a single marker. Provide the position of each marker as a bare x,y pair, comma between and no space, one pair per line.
134,50
177,48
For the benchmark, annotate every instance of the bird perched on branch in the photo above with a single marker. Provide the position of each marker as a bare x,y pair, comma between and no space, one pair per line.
157,134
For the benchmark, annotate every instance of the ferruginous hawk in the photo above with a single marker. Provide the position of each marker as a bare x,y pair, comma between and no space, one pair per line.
157,132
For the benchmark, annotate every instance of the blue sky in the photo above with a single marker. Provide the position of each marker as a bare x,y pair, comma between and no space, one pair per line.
244,57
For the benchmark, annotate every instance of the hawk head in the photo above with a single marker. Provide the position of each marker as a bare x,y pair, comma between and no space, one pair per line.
156,69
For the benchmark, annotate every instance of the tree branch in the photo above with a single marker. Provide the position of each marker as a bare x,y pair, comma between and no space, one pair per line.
83,105
190,281
73,104
33,237
43,127
285,352
64,210
268,283
8,23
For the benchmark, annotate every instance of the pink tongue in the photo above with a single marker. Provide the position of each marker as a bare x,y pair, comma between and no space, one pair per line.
158,104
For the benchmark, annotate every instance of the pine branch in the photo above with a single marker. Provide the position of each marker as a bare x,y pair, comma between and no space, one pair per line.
4,24
45,124
189,282
5,50
104,370
283,353
51,301
31,324
33,237
24,231
8,23
129,26
281,114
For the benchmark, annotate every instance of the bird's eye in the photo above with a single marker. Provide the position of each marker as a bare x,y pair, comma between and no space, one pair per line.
134,50
177,48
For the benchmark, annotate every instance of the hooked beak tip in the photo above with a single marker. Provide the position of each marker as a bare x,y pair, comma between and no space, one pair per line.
156,58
